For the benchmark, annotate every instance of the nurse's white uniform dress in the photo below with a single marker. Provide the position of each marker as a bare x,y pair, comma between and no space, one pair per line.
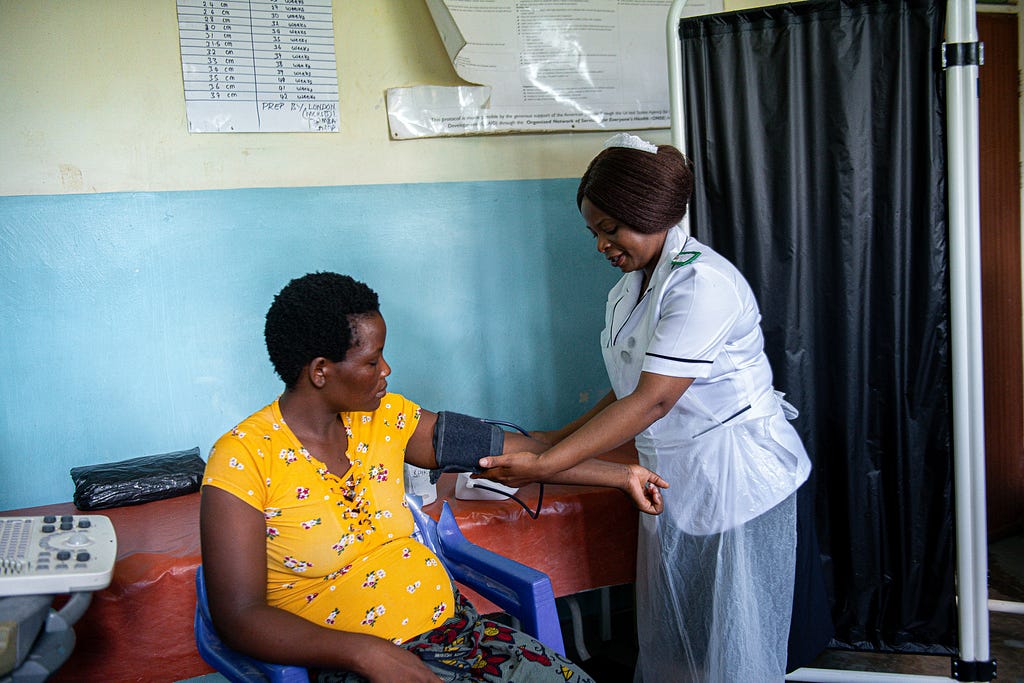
715,570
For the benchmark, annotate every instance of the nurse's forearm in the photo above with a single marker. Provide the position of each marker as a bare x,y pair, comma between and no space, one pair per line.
612,427
617,423
560,434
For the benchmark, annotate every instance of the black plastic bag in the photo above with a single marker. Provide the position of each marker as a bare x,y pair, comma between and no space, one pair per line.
139,480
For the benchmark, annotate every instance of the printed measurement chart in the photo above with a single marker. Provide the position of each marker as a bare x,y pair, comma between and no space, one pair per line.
253,66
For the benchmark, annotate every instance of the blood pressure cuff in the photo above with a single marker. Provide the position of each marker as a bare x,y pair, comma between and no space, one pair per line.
460,441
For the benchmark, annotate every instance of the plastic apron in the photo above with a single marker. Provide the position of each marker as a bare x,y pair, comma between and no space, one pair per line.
715,570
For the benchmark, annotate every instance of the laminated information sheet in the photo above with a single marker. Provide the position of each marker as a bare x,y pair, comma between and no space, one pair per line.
544,65
252,66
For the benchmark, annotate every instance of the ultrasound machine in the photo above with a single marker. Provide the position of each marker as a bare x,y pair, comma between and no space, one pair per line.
42,558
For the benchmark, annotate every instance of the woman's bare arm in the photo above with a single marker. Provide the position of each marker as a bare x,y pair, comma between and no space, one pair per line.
235,568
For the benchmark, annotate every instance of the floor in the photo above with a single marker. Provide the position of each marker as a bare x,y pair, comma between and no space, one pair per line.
1006,631
611,660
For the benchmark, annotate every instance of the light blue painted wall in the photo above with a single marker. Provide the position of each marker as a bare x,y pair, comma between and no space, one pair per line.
131,324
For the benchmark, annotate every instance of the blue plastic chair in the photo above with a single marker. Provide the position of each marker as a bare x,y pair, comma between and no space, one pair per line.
520,591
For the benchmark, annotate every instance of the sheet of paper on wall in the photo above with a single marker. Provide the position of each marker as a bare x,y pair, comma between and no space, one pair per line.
544,65
258,67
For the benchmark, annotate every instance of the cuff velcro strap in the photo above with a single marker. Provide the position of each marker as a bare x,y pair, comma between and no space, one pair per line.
460,441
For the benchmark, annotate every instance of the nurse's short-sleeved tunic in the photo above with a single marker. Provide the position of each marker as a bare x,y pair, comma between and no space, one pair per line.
339,550
725,446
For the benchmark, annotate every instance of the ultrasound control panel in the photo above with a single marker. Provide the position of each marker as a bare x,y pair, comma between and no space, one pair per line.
56,554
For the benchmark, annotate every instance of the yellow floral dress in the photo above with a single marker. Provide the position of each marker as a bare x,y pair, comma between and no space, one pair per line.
339,551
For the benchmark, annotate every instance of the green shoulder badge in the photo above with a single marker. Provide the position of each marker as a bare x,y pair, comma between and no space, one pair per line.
685,258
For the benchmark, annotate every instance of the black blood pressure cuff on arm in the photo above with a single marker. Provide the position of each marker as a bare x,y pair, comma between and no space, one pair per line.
460,441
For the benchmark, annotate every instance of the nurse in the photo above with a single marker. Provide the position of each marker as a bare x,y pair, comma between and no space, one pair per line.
691,384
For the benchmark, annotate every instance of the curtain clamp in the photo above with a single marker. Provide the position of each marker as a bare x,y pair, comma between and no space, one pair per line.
963,54
973,671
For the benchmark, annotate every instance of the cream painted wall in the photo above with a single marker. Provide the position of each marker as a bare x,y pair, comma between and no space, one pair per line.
93,102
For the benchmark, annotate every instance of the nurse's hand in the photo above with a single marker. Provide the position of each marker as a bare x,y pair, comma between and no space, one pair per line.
513,469
644,488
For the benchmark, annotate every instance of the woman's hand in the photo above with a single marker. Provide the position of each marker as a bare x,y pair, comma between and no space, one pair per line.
513,469
644,488
389,662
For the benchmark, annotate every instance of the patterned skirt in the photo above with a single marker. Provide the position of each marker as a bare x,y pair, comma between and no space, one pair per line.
469,648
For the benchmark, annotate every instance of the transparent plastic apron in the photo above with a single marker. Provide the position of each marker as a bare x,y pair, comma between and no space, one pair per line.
715,570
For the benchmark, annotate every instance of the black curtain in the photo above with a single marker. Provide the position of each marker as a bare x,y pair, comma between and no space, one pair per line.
817,132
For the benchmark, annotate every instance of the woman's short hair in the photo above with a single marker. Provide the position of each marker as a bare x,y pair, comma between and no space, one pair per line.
646,191
311,318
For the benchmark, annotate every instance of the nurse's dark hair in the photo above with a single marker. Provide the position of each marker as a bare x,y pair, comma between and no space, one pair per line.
646,191
312,318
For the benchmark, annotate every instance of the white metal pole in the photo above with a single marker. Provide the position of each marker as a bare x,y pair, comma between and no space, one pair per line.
841,676
960,364
677,112
1006,606
965,298
675,75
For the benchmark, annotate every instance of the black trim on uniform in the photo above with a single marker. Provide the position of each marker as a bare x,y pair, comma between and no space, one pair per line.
681,360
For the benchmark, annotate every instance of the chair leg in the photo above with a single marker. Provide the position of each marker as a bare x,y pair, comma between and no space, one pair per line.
606,614
577,627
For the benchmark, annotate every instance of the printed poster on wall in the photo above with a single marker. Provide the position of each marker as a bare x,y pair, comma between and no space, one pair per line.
258,67
544,65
